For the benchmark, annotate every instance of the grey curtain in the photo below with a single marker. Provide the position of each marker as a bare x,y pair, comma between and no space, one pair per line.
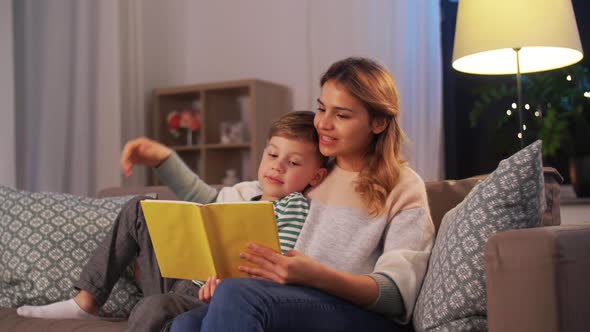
67,95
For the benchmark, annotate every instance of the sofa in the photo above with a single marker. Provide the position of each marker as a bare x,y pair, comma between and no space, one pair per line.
536,279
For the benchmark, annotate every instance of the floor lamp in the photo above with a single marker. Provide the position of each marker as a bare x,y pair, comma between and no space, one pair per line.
494,37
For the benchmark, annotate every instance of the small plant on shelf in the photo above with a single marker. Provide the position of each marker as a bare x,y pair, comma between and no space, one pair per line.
187,121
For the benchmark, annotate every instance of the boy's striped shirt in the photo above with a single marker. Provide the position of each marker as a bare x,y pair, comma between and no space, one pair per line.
290,213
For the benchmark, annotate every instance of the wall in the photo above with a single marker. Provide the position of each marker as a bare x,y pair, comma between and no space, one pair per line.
7,143
164,43
293,43
202,41
256,39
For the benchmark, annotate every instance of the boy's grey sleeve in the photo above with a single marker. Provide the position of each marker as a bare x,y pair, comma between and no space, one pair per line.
187,185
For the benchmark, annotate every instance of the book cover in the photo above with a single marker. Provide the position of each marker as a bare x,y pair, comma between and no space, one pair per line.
194,241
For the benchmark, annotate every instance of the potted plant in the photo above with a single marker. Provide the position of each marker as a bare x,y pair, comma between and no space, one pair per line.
556,110
187,119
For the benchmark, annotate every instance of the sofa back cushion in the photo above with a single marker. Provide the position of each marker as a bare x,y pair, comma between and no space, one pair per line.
445,195
453,295
162,192
45,241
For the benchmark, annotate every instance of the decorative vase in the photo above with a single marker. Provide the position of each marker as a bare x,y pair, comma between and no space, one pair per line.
191,138
580,175
230,178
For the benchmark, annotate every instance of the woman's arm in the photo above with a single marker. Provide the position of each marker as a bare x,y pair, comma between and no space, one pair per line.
296,268
391,288
361,290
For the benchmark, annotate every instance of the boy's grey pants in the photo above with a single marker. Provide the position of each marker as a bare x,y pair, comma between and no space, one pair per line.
129,239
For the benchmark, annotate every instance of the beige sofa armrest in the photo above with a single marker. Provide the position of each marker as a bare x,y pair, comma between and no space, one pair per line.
537,279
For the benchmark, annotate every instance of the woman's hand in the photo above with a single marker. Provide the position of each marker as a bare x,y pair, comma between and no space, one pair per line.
142,151
206,292
296,268
291,268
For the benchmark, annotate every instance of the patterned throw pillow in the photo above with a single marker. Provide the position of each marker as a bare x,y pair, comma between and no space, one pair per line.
453,295
45,240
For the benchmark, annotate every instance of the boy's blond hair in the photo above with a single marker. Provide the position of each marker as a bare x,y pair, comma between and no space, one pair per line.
298,125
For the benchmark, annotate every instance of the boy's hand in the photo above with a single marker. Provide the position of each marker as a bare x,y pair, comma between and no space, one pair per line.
291,268
206,292
142,151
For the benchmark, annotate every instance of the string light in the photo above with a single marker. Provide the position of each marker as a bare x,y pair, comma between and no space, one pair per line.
508,112
537,114
587,94
523,127
569,77
527,106
513,105
519,135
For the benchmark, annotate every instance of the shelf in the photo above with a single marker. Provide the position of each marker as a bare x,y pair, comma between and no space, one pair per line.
241,110
221,146
185,147
217,146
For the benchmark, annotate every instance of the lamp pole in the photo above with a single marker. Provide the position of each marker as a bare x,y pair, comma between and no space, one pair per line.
519,93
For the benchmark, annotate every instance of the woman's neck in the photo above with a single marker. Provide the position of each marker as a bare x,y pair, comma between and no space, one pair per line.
350,165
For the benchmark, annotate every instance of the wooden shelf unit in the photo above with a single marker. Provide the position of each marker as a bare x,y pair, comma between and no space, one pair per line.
254,102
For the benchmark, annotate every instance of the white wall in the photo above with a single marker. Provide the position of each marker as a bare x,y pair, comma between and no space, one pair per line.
164,28
193,41
294,42
7,141
286,42
256,39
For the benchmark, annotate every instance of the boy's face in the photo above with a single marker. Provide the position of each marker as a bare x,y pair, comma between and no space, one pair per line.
288,165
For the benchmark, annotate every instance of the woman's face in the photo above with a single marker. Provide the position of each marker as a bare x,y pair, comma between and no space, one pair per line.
344,126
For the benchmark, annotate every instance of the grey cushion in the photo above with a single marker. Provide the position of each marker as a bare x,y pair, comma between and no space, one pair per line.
45,240
453,295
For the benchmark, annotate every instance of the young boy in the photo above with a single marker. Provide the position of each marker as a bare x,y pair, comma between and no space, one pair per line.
290,163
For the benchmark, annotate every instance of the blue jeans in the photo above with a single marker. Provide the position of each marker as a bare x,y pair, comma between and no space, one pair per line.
242,304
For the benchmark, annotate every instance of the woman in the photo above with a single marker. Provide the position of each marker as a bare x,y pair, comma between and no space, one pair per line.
361,257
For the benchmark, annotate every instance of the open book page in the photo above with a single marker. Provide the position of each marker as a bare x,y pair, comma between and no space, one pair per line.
194,241
231,226
179,238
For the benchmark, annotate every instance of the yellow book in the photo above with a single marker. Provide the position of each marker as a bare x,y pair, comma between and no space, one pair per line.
195,241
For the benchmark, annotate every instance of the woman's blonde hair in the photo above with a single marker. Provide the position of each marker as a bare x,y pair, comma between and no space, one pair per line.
375,88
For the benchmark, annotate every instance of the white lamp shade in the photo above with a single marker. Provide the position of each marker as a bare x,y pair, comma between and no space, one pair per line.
488,31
